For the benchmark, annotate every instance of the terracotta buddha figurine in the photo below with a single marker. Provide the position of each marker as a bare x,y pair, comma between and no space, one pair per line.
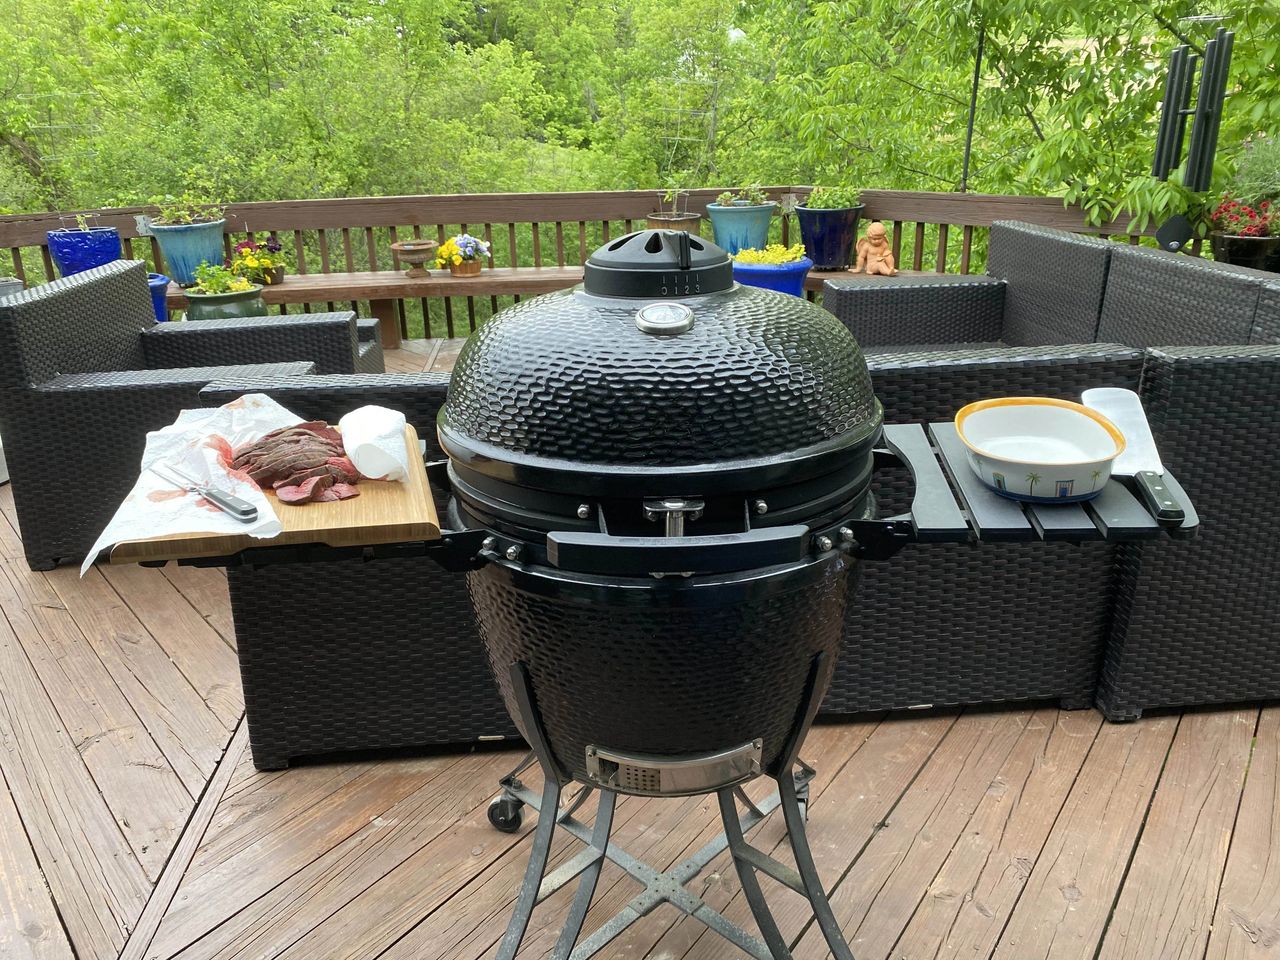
874,255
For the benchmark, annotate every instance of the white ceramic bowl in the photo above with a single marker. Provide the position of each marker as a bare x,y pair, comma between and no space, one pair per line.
1039,449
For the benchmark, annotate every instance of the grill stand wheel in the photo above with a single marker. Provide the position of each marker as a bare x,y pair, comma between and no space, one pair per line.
659,886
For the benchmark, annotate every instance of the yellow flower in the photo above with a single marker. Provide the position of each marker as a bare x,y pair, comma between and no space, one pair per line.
456,259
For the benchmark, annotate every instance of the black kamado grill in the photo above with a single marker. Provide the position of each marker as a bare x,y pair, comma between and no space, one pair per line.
662,483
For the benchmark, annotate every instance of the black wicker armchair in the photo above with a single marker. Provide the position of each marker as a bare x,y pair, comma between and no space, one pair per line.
355,655
85,372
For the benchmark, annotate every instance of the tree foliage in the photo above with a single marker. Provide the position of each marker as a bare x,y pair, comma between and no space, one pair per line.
117,100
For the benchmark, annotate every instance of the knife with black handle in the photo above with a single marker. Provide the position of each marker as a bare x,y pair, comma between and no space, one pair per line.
227,502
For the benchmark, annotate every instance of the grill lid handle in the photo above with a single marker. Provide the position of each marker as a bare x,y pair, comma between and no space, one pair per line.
640,556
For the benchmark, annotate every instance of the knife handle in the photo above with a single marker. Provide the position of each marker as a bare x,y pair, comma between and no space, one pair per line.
1159,499
229,503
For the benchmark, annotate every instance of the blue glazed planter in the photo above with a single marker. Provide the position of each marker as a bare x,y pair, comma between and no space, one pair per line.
159,285
783,277
75,250
829,235
740,226
187,245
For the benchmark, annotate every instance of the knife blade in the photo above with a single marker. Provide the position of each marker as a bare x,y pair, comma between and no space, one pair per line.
1140,458
227,502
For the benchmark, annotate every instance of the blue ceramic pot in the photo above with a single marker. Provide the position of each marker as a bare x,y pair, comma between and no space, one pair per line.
159,285
829,235
75,250
740,225
185,246
783,277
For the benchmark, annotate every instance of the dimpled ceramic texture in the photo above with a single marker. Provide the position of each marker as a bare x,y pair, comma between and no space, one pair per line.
569,376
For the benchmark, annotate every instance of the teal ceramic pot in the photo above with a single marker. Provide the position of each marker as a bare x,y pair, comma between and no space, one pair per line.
783,277
187,245
740,225
224,306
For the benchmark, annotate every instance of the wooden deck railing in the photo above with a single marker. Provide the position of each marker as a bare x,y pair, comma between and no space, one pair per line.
945,232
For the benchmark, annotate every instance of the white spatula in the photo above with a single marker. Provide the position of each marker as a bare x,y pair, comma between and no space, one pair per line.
1140,458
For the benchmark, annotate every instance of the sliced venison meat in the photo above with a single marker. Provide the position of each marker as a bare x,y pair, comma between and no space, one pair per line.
339,491
344,470
306,491
323,470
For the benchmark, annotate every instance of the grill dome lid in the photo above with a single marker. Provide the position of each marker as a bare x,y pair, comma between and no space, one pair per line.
658,263
592,392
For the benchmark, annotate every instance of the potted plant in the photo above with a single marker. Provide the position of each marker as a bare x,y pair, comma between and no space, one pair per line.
673,212
1245,226
740,219
463,255
773,267
82,244
218,294
189,231
258,261
829,226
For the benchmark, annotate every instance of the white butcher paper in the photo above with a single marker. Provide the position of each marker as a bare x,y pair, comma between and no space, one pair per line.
185,444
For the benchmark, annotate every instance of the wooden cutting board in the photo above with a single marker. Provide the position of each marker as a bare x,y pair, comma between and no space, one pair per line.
385,512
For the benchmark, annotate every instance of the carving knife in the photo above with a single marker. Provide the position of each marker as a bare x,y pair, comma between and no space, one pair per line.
1140,458
228,503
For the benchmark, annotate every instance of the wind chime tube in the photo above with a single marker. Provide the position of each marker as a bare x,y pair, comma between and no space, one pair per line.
1168,108
1201,119
1185,79
1218,98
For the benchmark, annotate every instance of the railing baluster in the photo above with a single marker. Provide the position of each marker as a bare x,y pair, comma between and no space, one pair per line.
559,243
786,230
447,301
917,255
537,244
323,237
422,301
582,242
161,266
127,243
1195,246
966,247
629,227
940,265
372,246
1134,239
513,246
18,270
488,238
604,231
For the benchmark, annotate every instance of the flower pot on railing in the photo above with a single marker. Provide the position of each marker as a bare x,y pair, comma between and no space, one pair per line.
159,286
1261,253
829,235
467,268
224,306
740,225
783,277
185,246
73,250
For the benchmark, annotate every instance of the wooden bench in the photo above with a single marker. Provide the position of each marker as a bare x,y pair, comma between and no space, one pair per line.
382,288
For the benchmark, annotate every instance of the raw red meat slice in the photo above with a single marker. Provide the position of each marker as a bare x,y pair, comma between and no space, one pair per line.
307,490
339,491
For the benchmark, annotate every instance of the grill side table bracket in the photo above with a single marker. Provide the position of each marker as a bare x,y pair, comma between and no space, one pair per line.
669,886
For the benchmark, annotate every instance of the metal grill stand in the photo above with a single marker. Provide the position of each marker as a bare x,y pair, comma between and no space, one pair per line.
660,886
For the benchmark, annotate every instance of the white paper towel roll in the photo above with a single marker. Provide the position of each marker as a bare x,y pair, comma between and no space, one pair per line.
374,440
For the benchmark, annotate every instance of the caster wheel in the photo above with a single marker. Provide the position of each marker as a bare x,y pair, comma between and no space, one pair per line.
505,815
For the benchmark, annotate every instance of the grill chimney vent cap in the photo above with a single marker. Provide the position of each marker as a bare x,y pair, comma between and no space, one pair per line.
658,264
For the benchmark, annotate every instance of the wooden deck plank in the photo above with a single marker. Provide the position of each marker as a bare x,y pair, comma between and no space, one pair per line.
1247,924
138,945
880,890
1169,895
10,541
29,924
429,840
841,823
966,905
173,712
1063,910
97,884
205,588
209,665
447,356
147,798
248,873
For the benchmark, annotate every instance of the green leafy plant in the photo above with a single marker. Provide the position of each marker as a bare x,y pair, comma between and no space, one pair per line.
753,195
183,209
773,253
214,278
673,202
833,198
1257,176
82,221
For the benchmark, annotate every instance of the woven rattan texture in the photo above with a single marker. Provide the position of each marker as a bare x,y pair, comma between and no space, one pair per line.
1266,322
87,322
676,677
1055,283
1197,622
358,656
759,374
369,358
1155,298
326,339
946,624
73,454
882,311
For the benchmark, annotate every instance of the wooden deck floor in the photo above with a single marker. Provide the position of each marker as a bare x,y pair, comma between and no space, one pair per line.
133,825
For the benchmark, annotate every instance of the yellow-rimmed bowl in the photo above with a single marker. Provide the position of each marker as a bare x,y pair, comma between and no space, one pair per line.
1039,449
